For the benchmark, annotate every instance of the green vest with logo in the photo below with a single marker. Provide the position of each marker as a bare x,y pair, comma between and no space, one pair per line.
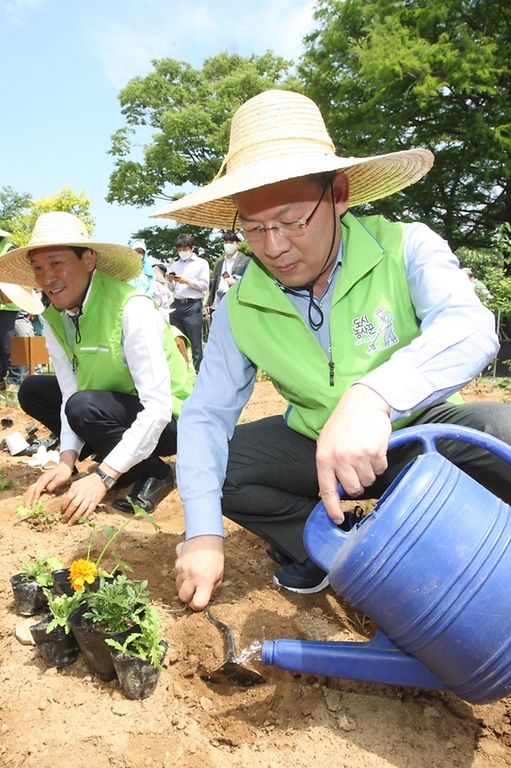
372,316
95,350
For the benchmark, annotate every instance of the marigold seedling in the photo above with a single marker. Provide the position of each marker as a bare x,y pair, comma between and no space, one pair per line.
24,513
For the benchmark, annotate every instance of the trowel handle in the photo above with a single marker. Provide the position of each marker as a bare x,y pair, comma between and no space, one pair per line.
323,537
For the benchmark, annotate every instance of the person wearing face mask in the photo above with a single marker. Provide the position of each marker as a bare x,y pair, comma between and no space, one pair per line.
189,279
228,270
145,280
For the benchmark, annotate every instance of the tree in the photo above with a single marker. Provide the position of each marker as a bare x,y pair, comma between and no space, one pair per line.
493,267
208,243
189,111
395,74
12,204
178,121
64,200
160,242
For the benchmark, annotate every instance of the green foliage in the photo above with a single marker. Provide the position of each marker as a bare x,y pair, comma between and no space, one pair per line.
209,243
41,568
116,604
160,242
112,533
61,607
3,482
144,642
64,200
24,513
493,267
393,74
12,204
177,132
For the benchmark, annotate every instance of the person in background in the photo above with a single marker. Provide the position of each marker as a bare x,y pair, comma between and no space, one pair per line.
364,326
144,281
162,293
189,278
120,379
228,271
18,306
478,285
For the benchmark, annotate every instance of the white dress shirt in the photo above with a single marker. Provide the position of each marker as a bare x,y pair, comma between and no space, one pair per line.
196,270
143,352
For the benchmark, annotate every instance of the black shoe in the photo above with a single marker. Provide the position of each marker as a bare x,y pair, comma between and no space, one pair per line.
147,493
278,556
305,578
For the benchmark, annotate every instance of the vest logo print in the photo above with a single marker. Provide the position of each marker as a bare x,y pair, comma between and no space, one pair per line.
378,335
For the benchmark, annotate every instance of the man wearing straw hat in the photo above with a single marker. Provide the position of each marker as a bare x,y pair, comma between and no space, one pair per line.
363,325
120,378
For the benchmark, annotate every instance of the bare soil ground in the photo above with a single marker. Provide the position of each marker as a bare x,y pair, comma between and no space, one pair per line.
68,719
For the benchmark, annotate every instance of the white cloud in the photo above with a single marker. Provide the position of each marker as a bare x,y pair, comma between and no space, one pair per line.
16,10
141,30
277,25
127,47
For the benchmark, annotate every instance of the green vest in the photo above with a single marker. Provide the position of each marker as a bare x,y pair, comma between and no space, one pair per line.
97,354
372,316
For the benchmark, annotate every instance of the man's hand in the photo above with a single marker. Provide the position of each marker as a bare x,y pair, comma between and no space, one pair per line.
199,570
49,481
82,498
352,446
181,279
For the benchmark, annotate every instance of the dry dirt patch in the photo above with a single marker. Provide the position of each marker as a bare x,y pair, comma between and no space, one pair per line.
67,719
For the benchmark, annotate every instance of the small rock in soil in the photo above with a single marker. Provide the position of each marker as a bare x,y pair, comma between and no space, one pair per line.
23,632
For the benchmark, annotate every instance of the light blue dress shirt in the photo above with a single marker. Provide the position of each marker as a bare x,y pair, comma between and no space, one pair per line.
456,342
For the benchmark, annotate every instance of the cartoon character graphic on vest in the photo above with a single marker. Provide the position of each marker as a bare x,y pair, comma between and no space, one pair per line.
385,329
365,331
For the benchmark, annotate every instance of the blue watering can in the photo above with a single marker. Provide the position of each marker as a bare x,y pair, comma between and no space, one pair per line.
430,566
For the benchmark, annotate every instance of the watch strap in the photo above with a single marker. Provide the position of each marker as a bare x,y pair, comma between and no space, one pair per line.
107,480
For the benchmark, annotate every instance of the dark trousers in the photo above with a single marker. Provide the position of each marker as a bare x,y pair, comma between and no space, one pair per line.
13,373
187,316
271,485
99,418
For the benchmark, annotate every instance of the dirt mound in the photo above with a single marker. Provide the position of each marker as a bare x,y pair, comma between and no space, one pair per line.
68,719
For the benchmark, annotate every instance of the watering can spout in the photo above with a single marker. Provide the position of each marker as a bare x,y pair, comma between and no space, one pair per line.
377,661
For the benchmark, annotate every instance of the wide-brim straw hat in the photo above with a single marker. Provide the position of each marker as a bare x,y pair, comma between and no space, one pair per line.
64,229
280,135
24,298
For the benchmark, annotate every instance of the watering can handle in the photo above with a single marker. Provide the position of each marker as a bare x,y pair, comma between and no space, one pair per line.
322,536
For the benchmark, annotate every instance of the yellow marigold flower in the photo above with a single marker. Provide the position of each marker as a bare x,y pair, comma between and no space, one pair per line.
82,571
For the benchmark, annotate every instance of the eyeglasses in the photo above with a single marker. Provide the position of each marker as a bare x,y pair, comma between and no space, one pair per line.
289,229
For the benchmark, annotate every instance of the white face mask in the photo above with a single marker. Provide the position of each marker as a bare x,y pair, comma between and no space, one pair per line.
230,248
185,255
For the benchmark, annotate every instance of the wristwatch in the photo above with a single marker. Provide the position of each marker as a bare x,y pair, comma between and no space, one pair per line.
108,480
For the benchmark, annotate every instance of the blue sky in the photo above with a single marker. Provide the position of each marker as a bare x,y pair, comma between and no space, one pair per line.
65,61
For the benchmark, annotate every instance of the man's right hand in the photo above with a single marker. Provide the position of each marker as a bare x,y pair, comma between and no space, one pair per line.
199,570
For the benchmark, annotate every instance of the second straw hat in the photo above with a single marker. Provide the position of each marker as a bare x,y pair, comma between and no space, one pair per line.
60,228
